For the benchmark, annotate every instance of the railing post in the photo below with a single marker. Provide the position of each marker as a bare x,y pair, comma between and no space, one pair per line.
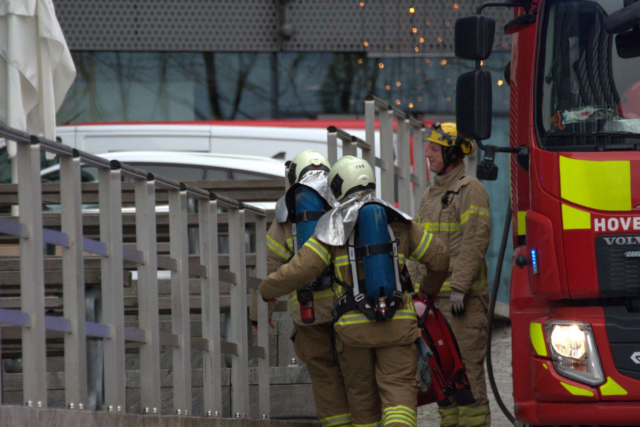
210,294
370,131
34,355
180,316
110,199
387,172
75,343
349,148
332,146
145,195
263,318
404,162
419,166
240,361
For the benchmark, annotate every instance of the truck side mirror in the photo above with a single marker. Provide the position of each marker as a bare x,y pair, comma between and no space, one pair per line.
628,44
473,104
474,37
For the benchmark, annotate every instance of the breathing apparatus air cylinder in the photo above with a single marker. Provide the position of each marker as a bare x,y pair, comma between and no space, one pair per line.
309,206
378,268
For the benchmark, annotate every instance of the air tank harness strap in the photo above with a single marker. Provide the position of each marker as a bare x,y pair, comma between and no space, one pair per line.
309,216
356,297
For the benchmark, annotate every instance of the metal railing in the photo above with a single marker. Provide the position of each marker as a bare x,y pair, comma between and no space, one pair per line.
411,185
34,323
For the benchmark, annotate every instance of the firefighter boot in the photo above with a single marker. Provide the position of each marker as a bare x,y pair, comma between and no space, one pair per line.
471,334
313,346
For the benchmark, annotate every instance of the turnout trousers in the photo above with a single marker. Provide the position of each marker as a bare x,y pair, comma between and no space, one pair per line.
470,330
381,383
314,347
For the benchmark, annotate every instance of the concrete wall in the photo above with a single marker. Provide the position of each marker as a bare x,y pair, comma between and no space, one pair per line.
17,416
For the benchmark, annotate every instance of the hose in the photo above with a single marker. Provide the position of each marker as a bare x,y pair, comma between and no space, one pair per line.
490,315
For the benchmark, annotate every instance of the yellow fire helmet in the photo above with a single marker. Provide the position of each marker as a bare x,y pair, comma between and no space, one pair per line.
304,162
446,134
349,175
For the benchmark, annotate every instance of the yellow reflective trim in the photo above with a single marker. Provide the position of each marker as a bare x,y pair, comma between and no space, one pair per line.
443,227
575,219
522,223
334,417
410,417
422,247
290,243
399,410
577,391
473,210
358,318
397,419
537,339
317,252
481,285
447,411
319,249
604,185
471,410
612,388
424,237
278,249
545,366
320,246
425,247
336,420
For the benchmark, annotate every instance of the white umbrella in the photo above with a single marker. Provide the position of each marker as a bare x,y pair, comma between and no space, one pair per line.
36,69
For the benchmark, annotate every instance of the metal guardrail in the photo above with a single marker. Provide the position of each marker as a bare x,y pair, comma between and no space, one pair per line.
411,185
34,323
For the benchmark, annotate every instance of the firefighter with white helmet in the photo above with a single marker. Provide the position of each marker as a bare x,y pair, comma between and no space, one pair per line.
456,209
367,241
311,302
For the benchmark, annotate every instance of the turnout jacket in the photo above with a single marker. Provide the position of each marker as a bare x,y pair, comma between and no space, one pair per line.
354,328
279,252
456,209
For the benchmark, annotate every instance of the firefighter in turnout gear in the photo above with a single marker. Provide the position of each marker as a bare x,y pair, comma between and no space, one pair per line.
310,307
375,321
456,209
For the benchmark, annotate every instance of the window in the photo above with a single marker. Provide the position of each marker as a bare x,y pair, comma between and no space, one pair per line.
250,175
184,172
590,94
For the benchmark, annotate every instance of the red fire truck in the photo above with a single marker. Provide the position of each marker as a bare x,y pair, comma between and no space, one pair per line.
575,201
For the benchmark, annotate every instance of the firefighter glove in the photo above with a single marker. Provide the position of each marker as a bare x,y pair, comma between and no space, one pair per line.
457,303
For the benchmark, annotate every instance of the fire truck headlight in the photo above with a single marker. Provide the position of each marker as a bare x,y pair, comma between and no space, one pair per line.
574,351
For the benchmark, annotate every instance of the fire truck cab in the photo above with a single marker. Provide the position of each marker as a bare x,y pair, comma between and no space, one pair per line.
575,197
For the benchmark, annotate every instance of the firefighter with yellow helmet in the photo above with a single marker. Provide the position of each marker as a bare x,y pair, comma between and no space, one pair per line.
367,241
456,209
311,302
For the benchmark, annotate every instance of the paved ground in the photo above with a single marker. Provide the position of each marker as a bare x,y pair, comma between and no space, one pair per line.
501,355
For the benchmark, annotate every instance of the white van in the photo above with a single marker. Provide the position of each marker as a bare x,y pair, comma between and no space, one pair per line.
278,139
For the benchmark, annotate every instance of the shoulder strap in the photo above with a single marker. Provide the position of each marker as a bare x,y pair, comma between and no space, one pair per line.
353,262
396,265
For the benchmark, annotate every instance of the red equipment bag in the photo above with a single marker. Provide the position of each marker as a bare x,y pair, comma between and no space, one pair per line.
448,375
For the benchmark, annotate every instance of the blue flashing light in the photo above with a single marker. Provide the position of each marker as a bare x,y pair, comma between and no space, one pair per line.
534,260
